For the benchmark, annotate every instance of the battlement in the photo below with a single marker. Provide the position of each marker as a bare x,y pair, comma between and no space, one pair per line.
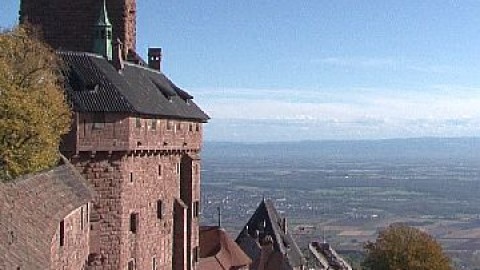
108,132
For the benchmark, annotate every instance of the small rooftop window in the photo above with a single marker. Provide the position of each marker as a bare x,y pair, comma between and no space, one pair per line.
92,87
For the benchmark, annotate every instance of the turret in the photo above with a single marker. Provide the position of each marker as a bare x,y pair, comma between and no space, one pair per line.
102,43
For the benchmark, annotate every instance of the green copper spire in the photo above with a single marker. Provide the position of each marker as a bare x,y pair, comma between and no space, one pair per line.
103,34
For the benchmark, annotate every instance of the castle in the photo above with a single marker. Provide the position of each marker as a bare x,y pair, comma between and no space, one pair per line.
127,192
135,138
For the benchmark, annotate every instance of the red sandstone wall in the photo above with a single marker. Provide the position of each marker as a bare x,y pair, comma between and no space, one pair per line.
168,135
121,133
104,173
74,253
78,17
195,240
119,195
154,238
127,179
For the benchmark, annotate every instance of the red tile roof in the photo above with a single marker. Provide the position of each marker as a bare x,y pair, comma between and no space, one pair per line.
219,251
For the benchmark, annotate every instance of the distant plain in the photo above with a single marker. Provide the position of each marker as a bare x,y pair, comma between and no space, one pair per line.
346,191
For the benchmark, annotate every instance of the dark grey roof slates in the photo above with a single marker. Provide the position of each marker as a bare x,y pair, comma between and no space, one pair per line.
283,241
94,85
82,73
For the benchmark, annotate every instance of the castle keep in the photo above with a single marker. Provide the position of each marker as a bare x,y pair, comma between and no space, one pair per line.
136,138
69,25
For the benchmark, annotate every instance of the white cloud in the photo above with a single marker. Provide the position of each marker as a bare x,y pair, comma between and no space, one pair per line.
345,113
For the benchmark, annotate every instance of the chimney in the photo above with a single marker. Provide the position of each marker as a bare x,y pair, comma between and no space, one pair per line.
117,60
154,58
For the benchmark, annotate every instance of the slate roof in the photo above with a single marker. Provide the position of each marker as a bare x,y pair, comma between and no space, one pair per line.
31,208
94,85
218,251
266,221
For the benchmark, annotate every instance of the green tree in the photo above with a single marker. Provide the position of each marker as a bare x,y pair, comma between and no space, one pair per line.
33,111
400,247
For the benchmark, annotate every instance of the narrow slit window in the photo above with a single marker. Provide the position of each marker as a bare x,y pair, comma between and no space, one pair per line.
159,209
138,122
87,217
131,177
160,170
154,263
62,233
169,125
131,264
82,219
134,222
196,254
196,208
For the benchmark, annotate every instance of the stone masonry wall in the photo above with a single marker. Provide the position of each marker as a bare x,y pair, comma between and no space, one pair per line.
154,178
129,184
73,253
104,173
122,133
137,165
75,32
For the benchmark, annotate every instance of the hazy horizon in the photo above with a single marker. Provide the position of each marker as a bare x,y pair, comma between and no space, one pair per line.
344,140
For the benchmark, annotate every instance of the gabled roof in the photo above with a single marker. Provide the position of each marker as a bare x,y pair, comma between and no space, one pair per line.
94,85
267,222
219,252
31,208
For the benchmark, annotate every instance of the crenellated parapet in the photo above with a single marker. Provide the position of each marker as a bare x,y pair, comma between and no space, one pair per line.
97,132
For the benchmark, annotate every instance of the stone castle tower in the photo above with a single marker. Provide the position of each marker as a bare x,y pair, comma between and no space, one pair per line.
69,25
136,137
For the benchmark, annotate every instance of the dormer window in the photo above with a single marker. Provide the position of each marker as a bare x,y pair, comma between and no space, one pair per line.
93,87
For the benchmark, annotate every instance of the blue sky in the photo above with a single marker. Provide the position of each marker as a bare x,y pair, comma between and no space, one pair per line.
306,70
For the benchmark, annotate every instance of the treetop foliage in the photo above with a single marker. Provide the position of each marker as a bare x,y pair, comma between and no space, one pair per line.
400,247
33,111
